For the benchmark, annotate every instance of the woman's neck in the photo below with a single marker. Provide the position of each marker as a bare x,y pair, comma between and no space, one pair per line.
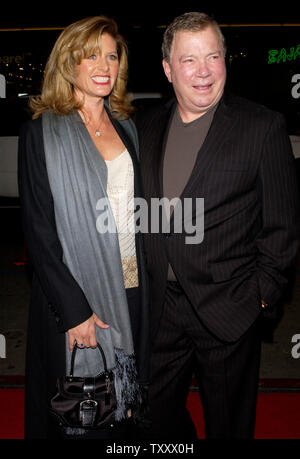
93,112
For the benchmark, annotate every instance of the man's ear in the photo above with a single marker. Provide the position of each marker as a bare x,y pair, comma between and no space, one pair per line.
167,69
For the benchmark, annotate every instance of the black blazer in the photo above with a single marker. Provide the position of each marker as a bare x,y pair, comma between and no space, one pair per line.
245,172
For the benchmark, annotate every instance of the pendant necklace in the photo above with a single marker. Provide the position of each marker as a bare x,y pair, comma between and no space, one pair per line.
98,132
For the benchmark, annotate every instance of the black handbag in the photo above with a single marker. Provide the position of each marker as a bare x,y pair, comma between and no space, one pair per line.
87,403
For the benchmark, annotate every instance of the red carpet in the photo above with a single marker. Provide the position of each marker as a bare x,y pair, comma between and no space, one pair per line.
278,415
11,413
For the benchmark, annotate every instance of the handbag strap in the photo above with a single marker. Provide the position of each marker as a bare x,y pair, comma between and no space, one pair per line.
75,347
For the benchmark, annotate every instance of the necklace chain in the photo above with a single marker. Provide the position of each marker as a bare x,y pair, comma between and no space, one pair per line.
98,132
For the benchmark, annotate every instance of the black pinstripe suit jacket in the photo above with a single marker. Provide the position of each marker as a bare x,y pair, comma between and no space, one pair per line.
245,171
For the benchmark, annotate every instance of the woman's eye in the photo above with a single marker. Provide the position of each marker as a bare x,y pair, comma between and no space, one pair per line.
113,57
92,57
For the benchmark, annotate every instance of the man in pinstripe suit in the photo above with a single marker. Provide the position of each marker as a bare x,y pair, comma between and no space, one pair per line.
207,298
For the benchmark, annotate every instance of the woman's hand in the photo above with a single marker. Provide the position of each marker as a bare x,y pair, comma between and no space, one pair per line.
85,333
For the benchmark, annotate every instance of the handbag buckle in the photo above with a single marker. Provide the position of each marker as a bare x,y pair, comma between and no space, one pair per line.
87,412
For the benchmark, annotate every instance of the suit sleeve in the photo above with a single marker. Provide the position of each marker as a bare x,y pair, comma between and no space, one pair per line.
278,189
63,293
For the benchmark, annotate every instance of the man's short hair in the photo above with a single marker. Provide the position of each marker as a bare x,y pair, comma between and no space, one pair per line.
192,22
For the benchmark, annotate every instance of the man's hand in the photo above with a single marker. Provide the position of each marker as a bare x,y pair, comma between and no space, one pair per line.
85,333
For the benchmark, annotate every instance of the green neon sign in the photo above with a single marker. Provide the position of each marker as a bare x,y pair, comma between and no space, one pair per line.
276,56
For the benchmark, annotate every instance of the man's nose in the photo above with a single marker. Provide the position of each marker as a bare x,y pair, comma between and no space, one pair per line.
203,69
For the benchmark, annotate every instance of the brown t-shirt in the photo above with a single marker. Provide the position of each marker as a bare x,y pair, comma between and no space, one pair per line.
184,142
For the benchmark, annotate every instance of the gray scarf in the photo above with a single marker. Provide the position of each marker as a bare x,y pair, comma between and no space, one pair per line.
78,178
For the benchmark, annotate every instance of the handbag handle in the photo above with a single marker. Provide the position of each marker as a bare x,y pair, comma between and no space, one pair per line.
74,353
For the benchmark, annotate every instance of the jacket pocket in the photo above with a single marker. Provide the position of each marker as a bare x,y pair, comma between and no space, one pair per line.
232,269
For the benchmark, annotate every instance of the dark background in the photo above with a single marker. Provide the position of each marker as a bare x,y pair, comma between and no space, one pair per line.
126,12
251,29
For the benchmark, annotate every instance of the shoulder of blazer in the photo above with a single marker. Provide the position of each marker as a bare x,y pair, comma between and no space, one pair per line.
145,117
31,141
240,106
32,126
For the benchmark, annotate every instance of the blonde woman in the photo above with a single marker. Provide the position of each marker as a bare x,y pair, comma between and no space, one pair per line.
89,281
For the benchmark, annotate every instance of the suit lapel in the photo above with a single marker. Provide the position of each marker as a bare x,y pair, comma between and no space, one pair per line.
221,126
162,132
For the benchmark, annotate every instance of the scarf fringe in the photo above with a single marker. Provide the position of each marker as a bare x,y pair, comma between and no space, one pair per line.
127,388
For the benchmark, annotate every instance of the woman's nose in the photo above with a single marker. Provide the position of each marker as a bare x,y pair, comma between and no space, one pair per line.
102,63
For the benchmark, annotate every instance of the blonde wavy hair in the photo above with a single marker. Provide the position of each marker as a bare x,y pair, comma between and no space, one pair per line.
77,41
